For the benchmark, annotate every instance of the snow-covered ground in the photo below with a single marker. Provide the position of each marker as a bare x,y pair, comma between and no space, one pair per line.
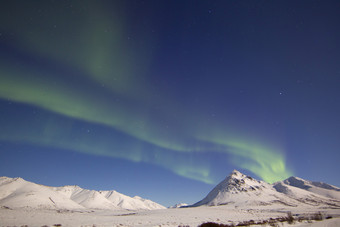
165,217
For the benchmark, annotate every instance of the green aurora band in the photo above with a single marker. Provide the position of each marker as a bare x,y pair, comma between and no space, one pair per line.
264,162
102,89
62,100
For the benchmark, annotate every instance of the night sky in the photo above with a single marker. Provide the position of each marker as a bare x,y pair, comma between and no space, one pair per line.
163,99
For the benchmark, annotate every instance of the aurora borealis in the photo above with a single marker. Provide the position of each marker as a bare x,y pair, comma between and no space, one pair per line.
192,89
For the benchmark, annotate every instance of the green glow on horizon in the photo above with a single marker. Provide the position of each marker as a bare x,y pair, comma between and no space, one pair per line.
269,164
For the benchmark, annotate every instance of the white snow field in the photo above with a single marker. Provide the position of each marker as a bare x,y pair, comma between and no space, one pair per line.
165,217
236,199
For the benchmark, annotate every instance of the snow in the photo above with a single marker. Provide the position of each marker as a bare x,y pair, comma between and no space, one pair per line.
319,188
129,203
18,193
179,205
241,190
166,217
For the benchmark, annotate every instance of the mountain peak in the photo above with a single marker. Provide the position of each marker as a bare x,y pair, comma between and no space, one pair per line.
238,178
235,183
237,173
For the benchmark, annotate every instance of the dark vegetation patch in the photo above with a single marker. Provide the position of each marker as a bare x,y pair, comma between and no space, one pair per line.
129,214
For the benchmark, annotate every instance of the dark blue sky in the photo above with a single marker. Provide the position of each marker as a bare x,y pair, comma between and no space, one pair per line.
163,99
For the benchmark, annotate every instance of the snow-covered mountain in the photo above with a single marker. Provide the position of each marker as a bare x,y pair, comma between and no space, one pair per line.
319,188
179,205
18,193
240,190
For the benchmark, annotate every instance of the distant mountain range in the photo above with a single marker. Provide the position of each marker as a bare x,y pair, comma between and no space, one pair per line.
237,190
242,191
18,193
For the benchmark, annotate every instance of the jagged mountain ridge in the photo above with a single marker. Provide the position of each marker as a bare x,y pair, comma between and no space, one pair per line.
238,189
18,193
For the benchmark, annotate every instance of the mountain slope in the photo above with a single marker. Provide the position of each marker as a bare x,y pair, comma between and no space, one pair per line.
319,188
306,197
130,203
18,193
87,198
241,190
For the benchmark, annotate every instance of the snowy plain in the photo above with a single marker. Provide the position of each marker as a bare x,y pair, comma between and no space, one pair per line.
164,217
